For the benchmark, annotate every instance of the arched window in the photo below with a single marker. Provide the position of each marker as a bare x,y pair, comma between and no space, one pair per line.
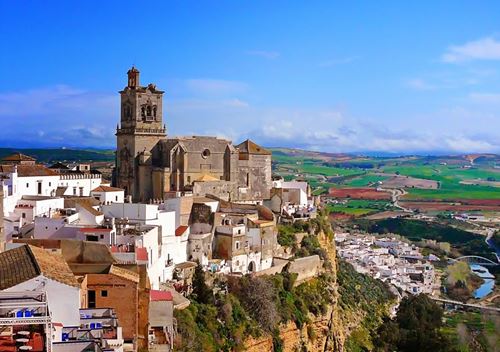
148,111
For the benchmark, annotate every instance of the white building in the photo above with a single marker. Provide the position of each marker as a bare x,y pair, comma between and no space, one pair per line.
108,195
29,268
26,184
171,241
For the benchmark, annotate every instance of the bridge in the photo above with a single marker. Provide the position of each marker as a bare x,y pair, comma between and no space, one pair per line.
475,259
450,302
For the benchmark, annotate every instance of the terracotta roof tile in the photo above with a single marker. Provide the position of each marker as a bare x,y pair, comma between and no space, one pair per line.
124,273
181,230
156,295
28,170
252,148
18,157
85,205
26,262
107,189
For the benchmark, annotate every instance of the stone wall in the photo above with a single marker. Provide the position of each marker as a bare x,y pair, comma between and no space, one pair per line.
305,268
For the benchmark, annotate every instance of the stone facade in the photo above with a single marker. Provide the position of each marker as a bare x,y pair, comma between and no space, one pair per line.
149,165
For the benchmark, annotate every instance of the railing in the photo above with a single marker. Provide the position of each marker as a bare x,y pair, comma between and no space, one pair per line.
79,176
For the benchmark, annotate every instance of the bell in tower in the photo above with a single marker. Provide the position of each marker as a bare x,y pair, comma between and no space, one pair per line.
133,77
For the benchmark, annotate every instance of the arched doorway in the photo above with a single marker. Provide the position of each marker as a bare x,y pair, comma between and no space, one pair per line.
251,267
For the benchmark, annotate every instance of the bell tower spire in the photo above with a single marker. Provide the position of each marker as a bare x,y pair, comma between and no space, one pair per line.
133,77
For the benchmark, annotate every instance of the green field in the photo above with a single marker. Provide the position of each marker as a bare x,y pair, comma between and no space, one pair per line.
365,172
359,207
365,180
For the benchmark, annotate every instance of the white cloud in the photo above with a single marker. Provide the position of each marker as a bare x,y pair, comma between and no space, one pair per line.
65,116
50,115
270,55
481,49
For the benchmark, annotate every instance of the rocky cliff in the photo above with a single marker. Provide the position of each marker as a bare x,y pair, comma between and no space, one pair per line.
358,305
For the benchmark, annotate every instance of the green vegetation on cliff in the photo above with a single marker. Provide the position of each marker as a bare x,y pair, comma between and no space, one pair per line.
253,306
364,298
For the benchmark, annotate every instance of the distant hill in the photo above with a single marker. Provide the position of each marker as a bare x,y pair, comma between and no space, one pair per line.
48,155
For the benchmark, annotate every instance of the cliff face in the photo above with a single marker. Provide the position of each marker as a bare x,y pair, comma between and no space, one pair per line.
325,333
354,313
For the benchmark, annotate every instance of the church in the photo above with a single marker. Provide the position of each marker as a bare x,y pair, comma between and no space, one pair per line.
150,165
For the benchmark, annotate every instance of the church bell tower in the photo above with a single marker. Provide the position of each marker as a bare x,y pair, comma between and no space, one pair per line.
141,128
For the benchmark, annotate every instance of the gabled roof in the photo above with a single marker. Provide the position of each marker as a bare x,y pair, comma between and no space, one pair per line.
26,262
107,189
16,157
252,148
28,170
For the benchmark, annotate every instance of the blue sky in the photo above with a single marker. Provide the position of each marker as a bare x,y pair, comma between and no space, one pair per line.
348,76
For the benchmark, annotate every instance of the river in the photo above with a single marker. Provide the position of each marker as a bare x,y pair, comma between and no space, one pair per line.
489,281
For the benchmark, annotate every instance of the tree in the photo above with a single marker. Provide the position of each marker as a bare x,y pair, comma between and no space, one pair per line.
258,297
201,292
417,327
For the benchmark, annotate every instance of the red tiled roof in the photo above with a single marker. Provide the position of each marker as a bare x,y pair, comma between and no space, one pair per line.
156,295
28,170
107,189
252,148
181,230
27,262
141,254
18,157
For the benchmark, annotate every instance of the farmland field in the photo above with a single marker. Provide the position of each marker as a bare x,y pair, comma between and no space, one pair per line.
448,172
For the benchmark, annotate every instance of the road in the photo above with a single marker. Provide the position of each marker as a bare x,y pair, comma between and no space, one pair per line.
396,193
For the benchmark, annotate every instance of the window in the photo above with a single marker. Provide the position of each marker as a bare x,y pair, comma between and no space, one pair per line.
205,153
24,215
50,184
39,187
104,293
239,232
27,185
116,198
102,237
74,191
237,244
91,299
189,179
81,191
